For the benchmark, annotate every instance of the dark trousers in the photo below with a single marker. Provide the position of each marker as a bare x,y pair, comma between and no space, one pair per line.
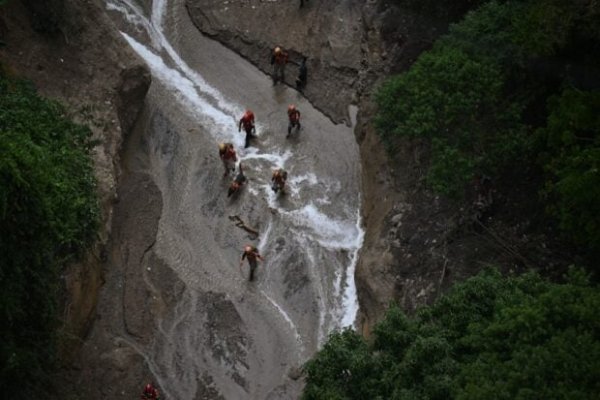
279,72
253,265
249,135
293,124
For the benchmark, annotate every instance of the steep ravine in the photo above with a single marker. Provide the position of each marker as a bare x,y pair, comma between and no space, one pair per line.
89,66
174,296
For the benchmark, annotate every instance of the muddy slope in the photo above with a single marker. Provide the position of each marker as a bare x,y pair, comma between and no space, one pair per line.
351,46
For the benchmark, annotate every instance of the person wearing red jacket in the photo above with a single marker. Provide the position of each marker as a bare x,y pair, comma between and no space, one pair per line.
294,118
150,393
279,59
247,121
228,157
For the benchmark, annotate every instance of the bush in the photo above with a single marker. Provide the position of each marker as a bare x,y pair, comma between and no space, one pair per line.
459,102
571,141
490,338
48,214
450,9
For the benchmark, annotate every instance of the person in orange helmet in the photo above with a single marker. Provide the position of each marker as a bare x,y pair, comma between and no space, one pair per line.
228,157
150,393
251,254
247,121
294,118
278,180
279,59
238,182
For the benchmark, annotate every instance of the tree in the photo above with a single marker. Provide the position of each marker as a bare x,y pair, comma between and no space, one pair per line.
489,338
571,156
48,215
459,103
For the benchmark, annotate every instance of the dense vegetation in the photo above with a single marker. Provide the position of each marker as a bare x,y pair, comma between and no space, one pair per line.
48,214
489,338
514,87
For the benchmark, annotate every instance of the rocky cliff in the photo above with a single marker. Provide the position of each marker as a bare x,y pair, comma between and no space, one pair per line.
71,53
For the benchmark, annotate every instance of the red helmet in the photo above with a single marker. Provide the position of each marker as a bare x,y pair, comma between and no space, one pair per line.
149,389
291,108
248,114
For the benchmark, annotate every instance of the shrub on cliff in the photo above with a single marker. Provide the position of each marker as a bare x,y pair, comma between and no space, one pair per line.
571,143
490,338
459,103
48,214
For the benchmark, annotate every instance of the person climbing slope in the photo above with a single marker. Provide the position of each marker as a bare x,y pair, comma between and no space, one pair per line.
294,118
228,156
279,59
278,180
150,393
238,182
251,254
247,121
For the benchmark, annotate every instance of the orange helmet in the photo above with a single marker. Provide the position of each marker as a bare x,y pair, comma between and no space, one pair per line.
291,108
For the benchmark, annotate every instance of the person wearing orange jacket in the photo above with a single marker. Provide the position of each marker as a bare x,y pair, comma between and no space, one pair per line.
238,182
278,180
228,156
150,393
247,121
279,59
294,119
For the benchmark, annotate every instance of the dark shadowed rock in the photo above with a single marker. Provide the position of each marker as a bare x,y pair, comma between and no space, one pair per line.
133,86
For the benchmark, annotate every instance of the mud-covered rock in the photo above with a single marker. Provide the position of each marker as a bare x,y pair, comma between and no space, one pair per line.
132,89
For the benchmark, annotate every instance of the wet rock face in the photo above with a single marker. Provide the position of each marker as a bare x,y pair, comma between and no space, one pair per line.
133,86
46,15
328,33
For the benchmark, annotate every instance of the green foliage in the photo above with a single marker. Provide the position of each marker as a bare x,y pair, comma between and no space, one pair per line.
488,33
342,370
440,8
489,338
572,158
545,27
48,213
477,98
459,102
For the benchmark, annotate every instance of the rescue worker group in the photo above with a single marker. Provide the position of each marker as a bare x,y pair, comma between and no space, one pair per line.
229,158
